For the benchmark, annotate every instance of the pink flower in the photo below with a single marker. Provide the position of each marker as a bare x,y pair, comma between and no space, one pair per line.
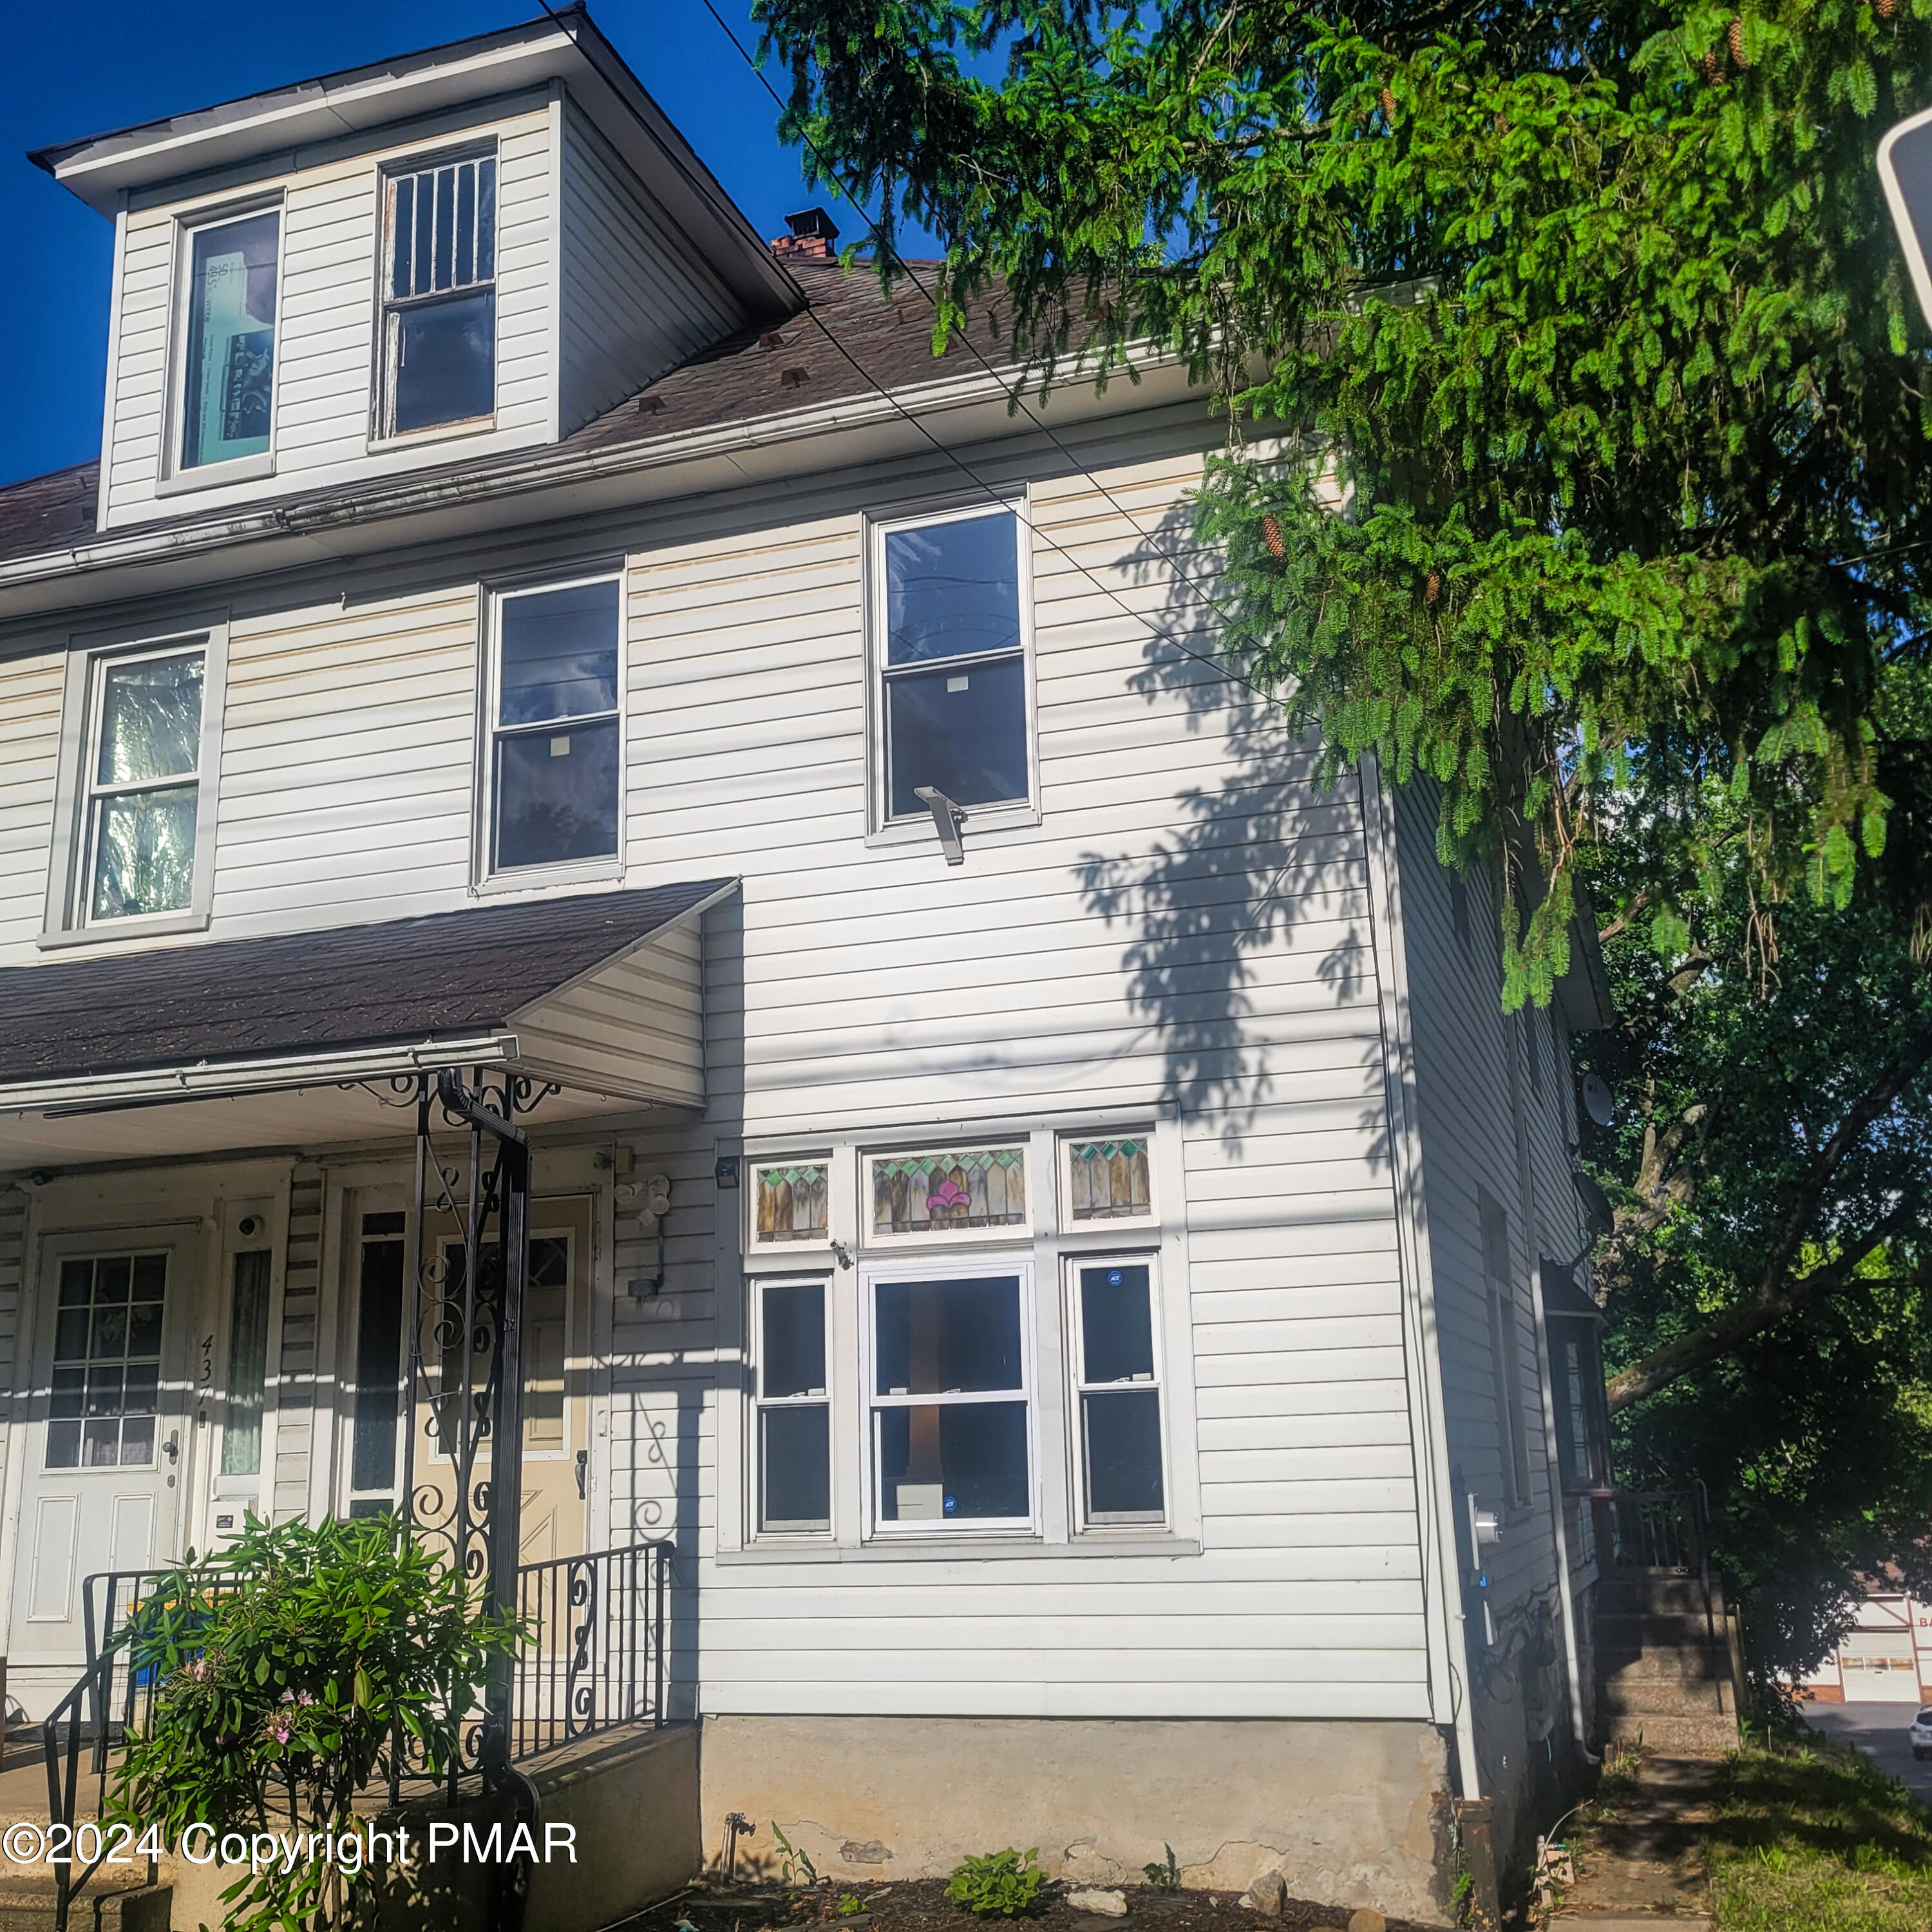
281,1734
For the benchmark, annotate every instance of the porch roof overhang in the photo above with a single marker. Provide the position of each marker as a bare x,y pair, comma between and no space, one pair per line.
198,1048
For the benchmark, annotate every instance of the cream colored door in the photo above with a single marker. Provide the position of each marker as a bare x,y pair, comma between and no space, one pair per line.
556,1334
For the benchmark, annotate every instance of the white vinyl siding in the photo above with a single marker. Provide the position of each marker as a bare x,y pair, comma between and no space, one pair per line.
635,302
1185,932
325,324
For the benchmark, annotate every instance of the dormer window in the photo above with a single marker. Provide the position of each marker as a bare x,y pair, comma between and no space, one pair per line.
228,367
439,297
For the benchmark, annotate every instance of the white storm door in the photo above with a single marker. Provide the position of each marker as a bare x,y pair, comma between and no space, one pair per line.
103,1445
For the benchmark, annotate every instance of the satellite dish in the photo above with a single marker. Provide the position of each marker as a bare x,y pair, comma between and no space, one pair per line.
1598,1102
1597,1212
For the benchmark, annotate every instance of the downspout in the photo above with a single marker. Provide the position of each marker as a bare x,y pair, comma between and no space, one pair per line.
1448,1647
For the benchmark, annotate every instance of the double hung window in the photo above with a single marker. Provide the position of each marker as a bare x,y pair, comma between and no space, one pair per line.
951,614
554,730
142,781
949,1400
439,283
1117,1379
794,1423
228,356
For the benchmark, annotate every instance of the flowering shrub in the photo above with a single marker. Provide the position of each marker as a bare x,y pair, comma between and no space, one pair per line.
296,1668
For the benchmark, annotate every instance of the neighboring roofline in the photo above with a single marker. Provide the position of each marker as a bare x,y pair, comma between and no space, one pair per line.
566,45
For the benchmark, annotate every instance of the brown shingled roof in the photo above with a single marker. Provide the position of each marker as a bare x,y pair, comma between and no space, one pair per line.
765,371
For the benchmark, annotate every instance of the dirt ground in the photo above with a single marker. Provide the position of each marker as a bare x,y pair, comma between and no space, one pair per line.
921,1905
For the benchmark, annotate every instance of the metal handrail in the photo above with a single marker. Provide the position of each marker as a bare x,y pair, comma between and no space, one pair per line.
596,1657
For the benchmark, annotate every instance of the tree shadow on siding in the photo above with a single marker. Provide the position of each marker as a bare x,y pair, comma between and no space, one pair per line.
1255,863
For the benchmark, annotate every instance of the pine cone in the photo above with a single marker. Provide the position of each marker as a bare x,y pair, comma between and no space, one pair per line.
1388,106
1432,588
1885,9
1271,536
1711,68
1734,33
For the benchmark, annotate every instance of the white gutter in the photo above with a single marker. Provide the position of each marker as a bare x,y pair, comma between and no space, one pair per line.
332,509
221,1080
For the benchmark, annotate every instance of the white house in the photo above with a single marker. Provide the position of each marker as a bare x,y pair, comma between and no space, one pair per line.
1078,1313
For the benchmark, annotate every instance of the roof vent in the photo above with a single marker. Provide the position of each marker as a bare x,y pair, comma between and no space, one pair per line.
813,232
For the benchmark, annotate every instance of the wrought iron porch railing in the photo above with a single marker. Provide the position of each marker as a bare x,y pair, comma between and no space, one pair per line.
596,1656
597,1659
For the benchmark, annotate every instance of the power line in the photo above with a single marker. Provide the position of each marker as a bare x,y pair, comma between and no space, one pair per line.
1017,395
993,493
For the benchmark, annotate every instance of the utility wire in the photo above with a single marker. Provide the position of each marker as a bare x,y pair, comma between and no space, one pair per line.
1015,396
883,242
1002,498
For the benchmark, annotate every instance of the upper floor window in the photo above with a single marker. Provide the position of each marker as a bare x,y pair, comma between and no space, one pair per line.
143,784
440,296
229,360
554,731
951,627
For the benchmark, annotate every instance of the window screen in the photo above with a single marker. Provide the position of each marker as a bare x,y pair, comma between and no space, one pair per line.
948,1402
556,736
439,305
954,663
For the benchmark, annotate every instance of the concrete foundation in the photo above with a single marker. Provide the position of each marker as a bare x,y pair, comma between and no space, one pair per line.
1350,1814
631,1794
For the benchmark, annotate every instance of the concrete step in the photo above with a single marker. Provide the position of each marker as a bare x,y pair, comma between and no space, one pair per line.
27,1905
1669,1664
1678,1736
1657,1697
1657,1627
1624,1593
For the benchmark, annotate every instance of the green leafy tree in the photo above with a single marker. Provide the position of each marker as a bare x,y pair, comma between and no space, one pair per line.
293,1669
1590,320
1764,1280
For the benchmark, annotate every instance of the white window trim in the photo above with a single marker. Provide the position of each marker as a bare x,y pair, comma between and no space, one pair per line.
881,828
788,1534
1115,1226
255,1492
952,1268
381,398
353,1203
1113,1528
67,922
947,1239
176,477
486,877
791,1254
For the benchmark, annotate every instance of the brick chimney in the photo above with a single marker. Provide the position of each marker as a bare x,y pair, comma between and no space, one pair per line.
812,237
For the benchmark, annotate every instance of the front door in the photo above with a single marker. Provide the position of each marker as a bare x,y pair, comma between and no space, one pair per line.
104,1442
556,1453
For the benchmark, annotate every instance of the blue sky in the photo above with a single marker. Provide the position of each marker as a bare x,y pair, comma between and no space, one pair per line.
87,65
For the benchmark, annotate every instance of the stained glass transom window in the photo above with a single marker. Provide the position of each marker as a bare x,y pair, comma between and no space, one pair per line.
790,1202
1108,1180
107,1362
939,1193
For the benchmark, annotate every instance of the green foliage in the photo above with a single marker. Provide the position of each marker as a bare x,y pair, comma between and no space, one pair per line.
1164,1878
850,1902
290,1668
1001,1885
1817,1837
795,1865
1578,407
1770,1329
